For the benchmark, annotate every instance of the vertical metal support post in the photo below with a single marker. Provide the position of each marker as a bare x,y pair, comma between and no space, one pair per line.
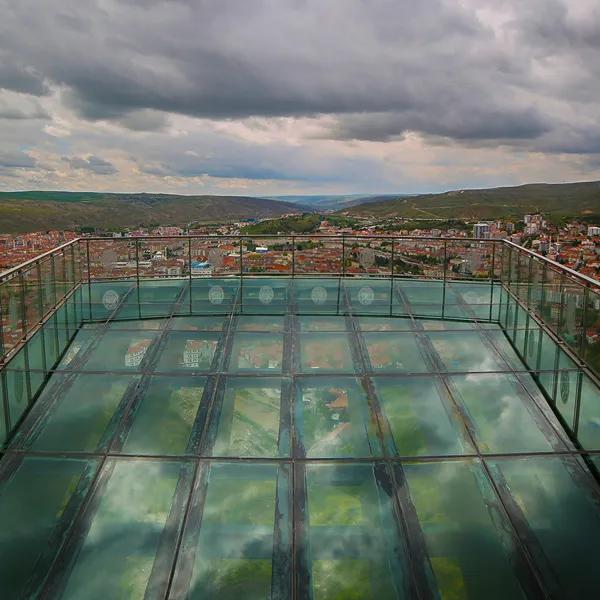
508,288
190,271
2,351
492,273
577,402
445,277
25,330
89,278
137,276
343,255
582,339
293,256
241,274
137,264
392,281
41,307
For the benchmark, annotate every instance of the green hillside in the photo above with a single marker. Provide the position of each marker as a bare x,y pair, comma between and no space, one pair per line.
39,211
555,200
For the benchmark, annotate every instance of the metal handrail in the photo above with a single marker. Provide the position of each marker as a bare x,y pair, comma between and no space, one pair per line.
585,278
9,273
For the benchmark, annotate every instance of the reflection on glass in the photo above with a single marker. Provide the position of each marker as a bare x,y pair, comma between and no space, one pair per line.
232,555
33,501
83,416
397,352
505,419
257,352
120,350
355,550
385,323
197,323
333,418
248,420
322,323
260,323
420,417
561,509
468,548
116,557
465,351
164,417
589,416
325,352
188,351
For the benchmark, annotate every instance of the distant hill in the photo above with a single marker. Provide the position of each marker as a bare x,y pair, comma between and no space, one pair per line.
39,211
333,202
555,200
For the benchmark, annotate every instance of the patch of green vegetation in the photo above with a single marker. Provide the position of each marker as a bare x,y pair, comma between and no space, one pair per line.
41,211
305,223
335,505
568,199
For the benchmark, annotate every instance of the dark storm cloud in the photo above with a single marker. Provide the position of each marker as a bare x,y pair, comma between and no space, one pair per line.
18,77
92,163
380,68
16,160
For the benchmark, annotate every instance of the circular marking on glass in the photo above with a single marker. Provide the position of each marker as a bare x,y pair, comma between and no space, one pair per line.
266,294
565,384
110,299
366,295
318,294
216,294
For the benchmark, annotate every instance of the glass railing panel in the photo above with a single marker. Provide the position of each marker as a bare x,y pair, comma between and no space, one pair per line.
368,256
11,318
521,286
214,256
591,330
419,258
32,297
163,257
270,255
319,255
536,286
571,324
552,297
112,258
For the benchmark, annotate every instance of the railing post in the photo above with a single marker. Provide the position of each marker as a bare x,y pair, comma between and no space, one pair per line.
392,280
445,278
25,333
89,278
293,256
241,274
190,271
137,264
38,271
343,255
493,268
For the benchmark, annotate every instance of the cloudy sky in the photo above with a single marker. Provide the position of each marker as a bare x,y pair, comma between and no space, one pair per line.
297,96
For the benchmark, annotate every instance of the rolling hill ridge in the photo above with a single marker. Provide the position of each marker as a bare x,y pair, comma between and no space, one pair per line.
21,212
558,200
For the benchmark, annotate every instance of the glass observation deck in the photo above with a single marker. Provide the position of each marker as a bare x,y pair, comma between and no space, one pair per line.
298,417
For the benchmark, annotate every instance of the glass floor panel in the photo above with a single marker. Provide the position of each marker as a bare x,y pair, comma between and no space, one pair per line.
297,438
